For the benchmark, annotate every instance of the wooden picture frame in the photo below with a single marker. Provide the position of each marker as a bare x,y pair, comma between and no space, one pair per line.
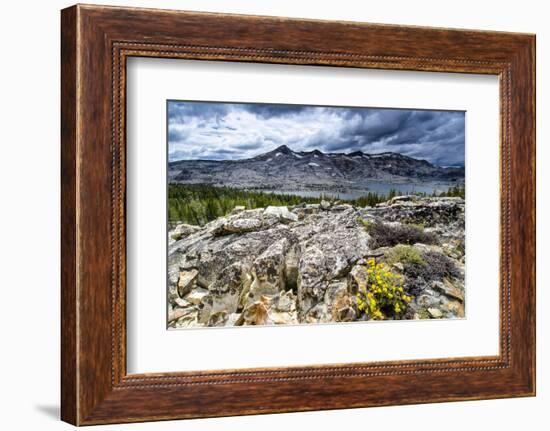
95,43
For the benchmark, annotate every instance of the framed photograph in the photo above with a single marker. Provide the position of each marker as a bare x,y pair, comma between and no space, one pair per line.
261,233
264,215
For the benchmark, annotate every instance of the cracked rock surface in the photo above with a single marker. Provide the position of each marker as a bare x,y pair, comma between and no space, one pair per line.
302,264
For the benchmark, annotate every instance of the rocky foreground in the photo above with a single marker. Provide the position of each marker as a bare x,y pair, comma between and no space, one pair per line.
331,262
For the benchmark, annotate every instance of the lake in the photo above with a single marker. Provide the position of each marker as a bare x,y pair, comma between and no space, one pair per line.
379,187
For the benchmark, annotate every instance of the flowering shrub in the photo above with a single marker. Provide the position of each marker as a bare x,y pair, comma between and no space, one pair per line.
382,296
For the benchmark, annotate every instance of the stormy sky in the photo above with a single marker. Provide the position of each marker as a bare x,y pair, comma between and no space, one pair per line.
220,131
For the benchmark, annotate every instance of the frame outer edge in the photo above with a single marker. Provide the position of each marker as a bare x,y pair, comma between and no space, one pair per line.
533,54
87,397
532,99
523,217
69,202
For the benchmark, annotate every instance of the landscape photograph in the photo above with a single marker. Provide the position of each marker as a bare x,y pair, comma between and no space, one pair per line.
284,214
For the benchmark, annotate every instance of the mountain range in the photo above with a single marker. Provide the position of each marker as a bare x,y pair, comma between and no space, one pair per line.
285,169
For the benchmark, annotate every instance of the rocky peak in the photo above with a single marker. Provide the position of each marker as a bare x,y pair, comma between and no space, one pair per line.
282,149
283,168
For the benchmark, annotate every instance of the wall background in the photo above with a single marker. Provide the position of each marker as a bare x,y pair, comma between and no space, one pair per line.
29,223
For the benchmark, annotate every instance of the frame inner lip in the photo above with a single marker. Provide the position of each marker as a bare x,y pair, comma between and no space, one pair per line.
123,49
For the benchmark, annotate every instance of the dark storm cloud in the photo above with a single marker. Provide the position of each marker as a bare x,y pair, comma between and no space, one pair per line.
205,110
232,130
267,111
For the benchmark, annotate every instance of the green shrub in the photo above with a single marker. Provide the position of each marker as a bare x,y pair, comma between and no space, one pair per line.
368,225
386,235
404,254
